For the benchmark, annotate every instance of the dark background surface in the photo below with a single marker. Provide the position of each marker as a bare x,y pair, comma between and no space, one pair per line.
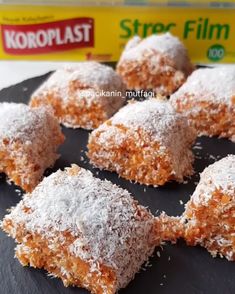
179,269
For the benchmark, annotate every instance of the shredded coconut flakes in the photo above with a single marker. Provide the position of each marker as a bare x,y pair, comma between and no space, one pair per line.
219,175
164,43
19,121
104,218
210,84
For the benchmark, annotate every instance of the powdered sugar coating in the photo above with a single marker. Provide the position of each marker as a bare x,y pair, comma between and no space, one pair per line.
109,226
166,44
158,118
217,176
209,84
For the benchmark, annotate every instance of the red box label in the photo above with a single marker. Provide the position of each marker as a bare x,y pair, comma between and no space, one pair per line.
48,37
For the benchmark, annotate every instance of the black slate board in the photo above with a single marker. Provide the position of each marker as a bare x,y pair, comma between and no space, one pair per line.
180,269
